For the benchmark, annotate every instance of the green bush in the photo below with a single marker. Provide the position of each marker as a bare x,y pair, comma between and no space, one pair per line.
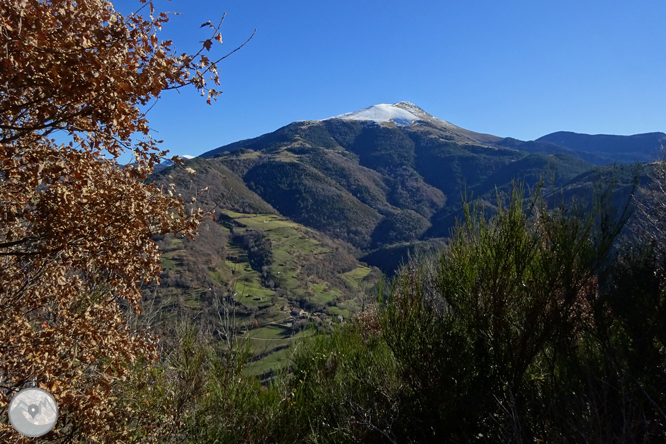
534,326
510,337
198,393
340,390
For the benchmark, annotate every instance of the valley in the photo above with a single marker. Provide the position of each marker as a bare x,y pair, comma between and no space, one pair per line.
309,218
279,279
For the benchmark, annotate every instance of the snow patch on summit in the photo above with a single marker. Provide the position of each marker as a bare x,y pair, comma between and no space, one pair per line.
406,114
402,113
381,113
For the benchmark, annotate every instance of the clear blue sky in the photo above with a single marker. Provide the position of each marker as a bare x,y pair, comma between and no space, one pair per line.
510,68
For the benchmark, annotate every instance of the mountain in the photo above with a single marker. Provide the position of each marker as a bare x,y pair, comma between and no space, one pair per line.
557,170
534,146
304,214
382,175
226,191
406,113
391,174
615,149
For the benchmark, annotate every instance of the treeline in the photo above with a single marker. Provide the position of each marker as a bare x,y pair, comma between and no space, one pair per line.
540,325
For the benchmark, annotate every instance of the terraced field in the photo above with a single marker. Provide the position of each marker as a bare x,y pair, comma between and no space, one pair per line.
357,275
297,279
291,248
276,350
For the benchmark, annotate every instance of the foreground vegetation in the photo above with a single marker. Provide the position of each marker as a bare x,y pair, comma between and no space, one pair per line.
536,326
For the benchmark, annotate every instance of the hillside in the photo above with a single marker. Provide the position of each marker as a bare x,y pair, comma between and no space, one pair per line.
539,146
586,184
269,268
364,191
612,148
388,175
381,176
225,189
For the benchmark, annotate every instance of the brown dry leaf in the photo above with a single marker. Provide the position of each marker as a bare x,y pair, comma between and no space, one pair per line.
75,229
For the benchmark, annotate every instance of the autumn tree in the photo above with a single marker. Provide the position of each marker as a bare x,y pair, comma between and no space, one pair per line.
75,229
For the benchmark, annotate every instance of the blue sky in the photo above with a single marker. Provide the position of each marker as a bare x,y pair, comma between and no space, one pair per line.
510,68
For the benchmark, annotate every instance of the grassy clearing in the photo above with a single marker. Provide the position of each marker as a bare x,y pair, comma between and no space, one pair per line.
222,274
274,361
291,249
346,308
321,250
248,154
171,257
176,244
358,273
325,298
289,245
287,280
249,287
264,222
247,283
270,332
296,243
233,214
356,276
168,263
260,346
335,311
272,314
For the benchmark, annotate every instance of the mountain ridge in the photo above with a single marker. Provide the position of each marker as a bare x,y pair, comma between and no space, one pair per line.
615,147
389,174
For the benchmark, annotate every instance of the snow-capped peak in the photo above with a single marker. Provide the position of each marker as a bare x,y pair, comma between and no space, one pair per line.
380,113
187,156
402,113
406,113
